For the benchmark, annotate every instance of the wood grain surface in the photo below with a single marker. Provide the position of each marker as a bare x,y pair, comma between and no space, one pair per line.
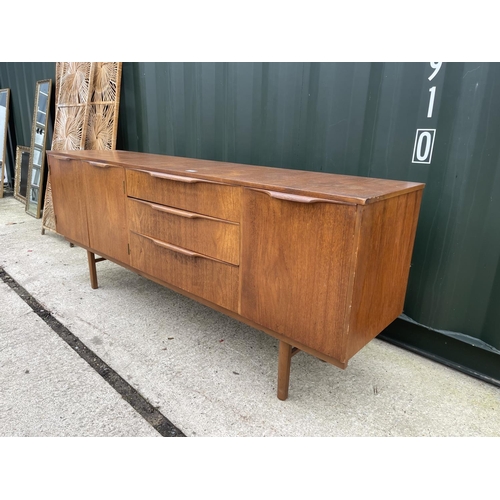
212,280
188,193
206,235
382,267
345,188
69,198
296,263
106,209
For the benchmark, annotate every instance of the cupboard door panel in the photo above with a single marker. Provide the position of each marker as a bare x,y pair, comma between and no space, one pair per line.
212,280
69,198
106,209
188,193
213,237
296,267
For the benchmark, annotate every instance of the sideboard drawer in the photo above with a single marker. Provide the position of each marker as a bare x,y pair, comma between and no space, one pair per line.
188,193
209,279
200,233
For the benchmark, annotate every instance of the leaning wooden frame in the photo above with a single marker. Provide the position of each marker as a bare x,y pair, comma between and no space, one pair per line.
4,127
22,164
37,164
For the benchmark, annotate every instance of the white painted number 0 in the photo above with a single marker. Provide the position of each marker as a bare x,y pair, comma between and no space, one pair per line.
427,136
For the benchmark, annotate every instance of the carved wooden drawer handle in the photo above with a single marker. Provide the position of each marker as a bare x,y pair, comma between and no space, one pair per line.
173,211
168,246
61,158
182,213
295,197
97,164
175,249
180,250
179,178
170,177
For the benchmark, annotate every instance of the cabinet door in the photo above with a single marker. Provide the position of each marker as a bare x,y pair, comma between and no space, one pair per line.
68,196
107,222
297,267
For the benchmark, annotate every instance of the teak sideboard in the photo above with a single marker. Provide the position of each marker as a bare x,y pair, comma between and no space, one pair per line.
320,261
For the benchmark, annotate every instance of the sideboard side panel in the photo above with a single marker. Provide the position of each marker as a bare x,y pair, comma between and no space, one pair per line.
383,264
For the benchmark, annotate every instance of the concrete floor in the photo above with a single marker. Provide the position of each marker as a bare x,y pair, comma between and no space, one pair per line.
207,373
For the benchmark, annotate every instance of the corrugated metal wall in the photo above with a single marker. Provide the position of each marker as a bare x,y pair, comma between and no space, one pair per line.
350,118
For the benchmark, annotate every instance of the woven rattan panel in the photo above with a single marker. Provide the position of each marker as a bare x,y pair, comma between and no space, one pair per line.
87,104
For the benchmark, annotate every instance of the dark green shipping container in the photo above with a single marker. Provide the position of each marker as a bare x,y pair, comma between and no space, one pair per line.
437,123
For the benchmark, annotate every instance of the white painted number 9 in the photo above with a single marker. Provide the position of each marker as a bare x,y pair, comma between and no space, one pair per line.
436,66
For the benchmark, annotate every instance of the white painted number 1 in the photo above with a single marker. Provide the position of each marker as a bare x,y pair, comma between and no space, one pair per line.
432,90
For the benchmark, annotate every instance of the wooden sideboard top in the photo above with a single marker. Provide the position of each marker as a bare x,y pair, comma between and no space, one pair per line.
341,188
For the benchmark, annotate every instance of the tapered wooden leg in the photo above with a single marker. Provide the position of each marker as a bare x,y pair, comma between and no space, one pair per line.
92,269
284,360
